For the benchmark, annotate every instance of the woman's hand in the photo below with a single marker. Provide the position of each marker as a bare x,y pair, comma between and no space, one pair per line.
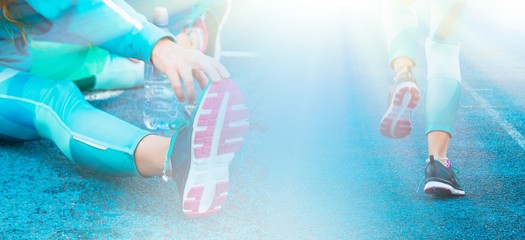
181,64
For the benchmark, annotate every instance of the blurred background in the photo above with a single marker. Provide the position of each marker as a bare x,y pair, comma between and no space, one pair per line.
316,78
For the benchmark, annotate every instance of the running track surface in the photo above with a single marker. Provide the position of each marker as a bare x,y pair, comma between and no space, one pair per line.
314,165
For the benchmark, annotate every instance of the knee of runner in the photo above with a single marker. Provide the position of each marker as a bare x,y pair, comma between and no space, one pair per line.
62,95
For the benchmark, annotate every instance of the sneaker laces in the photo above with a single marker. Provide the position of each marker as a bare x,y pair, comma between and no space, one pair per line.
177,125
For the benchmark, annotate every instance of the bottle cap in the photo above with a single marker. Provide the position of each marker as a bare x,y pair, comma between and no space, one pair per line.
161,17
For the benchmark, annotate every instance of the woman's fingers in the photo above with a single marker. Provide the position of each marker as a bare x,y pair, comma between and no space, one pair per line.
178,63
187,77
210,71
174,77
201,78
220,68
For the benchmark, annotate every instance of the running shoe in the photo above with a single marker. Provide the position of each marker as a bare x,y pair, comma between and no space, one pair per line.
216,16
404,97
205,31
440,180
201,152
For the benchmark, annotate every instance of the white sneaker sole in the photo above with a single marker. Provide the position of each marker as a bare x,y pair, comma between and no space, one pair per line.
396,121
442,189
221,121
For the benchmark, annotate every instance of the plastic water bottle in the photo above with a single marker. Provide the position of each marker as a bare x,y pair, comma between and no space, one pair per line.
161,106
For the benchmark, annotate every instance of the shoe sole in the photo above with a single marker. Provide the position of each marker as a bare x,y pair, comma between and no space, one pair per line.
221,122
396,121
442,189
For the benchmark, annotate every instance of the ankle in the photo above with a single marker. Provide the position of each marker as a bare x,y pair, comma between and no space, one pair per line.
404,72
150,155
402,65
443,160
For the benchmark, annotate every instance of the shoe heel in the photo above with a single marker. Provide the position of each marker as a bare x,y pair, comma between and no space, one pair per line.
396,122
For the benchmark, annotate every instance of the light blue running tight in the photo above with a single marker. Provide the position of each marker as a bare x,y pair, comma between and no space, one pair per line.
442,53
33,107
42,101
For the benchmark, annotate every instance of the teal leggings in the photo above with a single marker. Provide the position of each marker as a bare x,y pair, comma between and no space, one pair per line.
43,102
32,107
442,53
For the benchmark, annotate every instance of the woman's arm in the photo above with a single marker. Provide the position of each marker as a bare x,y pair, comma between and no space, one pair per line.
115,26
111,24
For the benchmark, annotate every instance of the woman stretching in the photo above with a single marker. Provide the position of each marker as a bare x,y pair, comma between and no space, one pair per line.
197,156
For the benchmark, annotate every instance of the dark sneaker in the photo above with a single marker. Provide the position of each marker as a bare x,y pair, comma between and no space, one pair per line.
201,153
403,98
440,180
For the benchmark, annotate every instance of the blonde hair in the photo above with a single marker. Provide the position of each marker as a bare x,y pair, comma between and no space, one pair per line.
11,13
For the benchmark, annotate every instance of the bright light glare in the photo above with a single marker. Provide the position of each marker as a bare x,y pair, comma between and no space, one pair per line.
325,8
507,13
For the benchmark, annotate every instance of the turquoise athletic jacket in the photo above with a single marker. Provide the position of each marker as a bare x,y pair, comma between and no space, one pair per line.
110,24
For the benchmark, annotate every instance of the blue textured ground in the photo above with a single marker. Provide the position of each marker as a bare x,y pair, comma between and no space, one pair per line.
314,165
